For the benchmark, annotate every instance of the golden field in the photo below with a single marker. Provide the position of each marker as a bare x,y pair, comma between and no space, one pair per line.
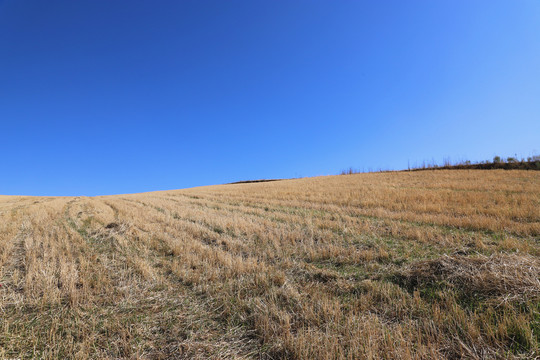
409,265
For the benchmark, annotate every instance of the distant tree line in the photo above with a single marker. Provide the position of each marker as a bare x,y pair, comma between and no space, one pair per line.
498,162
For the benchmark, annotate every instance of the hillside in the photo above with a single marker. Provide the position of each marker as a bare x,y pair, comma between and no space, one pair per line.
427,265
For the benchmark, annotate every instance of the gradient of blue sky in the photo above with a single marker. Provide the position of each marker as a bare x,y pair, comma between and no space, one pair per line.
105,97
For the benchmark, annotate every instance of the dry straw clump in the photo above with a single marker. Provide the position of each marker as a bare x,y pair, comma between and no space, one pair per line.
506,277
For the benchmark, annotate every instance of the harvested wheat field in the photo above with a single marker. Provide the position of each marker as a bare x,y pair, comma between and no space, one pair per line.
409,265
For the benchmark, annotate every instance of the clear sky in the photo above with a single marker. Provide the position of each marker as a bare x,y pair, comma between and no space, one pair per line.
108,97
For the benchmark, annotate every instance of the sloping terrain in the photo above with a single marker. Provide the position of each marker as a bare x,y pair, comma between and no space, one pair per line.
410,265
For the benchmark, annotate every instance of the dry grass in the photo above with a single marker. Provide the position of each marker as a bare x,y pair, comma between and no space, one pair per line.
501,276
424,265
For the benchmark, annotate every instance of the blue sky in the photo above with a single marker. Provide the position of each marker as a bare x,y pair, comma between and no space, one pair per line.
107,97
